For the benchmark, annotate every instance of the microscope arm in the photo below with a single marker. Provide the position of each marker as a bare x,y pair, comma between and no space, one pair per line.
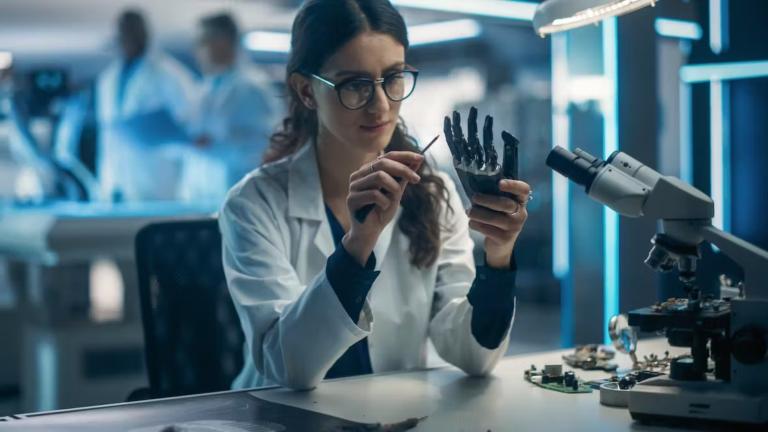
752,259
632,189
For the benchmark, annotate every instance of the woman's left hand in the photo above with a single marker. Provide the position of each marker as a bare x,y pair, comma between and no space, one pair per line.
500,219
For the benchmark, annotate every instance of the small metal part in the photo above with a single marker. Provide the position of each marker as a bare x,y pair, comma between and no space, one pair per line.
592,357
553,370
627,382
623,336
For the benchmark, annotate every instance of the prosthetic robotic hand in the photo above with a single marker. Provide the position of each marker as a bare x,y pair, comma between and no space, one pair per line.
477,165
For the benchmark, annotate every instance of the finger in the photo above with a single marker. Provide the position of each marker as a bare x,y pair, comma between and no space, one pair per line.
474,141
396,169
510,163
501,220
359,199
488,132
458,133
404,157
472,124
496,203
458,137
377,180
490,231
516,187
401,190
361,172
447,131
491,157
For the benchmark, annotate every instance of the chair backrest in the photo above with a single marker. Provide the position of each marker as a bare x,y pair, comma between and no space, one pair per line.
193,339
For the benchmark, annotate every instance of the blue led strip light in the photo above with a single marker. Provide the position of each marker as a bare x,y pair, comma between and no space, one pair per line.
560,186
610,144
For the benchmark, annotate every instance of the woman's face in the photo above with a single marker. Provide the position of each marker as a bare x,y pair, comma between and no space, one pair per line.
368,55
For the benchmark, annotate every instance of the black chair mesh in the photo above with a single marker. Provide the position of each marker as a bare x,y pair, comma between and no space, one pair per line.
193,338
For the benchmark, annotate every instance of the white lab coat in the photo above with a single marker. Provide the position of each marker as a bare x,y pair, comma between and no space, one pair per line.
141,172
276,240
238,112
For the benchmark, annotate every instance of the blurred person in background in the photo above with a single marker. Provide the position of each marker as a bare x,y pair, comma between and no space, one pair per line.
142,99
233,117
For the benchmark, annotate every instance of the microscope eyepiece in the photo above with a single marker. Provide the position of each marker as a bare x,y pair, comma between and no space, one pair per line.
578,166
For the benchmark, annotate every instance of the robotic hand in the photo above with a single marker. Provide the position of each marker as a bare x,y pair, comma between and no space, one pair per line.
477,166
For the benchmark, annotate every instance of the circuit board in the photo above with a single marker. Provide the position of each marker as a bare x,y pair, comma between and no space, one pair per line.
556,383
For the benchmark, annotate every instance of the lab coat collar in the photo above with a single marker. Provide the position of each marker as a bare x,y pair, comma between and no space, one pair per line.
137,62
305,201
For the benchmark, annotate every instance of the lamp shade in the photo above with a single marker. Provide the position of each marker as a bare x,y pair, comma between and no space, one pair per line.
554,16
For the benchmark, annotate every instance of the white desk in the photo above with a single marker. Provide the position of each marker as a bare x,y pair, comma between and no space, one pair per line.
455,402
450,400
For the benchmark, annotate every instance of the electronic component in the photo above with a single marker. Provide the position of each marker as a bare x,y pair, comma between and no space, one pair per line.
553,378
591,357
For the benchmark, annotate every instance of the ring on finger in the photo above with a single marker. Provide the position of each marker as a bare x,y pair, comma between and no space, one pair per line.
374,162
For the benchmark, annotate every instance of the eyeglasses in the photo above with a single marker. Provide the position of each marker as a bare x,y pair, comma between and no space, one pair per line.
355,93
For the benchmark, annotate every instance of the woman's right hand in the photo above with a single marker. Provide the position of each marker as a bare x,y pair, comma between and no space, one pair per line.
381,183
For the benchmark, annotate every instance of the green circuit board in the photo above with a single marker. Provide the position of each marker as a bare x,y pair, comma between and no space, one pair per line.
556,381
562,388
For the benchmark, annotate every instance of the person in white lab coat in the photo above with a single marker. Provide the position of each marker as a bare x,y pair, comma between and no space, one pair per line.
321,294
234,116
141,84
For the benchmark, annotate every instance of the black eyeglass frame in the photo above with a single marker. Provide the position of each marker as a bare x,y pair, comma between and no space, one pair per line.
338,86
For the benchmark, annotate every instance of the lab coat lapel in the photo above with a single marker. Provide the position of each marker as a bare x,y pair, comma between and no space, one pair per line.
385,239
132,103
108,110
305,197
219,95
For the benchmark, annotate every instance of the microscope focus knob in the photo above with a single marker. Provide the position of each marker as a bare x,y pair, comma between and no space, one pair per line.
749,345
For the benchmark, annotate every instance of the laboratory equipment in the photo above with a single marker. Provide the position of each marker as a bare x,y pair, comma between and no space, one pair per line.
732,335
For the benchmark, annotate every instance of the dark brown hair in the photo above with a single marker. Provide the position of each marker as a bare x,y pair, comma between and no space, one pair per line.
319,30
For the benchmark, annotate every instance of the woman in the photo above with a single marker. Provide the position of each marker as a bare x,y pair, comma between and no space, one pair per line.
320,294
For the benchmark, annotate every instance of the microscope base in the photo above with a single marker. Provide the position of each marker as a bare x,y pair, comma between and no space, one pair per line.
665,401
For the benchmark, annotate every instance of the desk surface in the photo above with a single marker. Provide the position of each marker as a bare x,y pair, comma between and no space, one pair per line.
450,400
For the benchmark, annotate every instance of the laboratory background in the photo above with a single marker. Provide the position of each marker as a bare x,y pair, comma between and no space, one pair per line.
101,153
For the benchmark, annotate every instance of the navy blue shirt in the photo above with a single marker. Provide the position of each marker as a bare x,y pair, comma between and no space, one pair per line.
351,282
491,297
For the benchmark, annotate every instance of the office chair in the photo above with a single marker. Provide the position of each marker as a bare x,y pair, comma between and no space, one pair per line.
193,339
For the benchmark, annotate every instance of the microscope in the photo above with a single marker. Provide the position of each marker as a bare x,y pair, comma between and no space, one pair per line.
724,380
